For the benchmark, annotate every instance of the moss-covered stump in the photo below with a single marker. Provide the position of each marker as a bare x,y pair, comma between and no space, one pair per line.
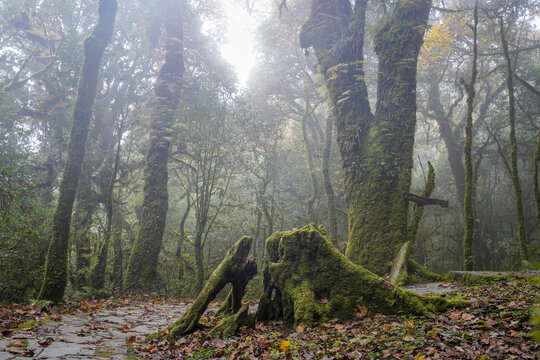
228,327
307,280
235,269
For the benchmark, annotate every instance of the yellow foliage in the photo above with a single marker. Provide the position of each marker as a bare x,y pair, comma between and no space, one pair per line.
438,43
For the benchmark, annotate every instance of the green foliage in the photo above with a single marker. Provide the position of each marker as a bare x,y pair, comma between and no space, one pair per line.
24,227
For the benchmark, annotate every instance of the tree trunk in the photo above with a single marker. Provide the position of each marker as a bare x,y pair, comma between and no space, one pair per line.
311,166
199,259
453,146
536,187
97,277
55,278
84,210
514,173
235,269
398,274
307,280
330,197
468,211
182,238
144,256
376,150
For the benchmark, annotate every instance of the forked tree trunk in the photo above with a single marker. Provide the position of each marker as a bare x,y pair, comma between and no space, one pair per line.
144,256
55,279
307,280
235,269
376,150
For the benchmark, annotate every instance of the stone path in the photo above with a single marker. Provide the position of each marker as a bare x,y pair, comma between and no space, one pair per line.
101,335
431,288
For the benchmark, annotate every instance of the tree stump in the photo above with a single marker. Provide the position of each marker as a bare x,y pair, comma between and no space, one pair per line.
307,280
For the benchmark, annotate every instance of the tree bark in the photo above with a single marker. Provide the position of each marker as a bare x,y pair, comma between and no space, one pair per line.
376,150
55,278
144,256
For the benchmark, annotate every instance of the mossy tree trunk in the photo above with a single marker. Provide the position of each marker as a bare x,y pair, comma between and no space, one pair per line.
84,210
55,278
514,172
143,260
235,269
376,150
468,210
307,280
536,163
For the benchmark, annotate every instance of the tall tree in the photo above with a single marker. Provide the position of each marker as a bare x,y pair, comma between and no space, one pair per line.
513,168
144,256
376,149
55,279
468,211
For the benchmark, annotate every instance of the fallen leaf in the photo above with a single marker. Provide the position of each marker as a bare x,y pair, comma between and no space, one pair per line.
45,342
408,337
284,345
361,311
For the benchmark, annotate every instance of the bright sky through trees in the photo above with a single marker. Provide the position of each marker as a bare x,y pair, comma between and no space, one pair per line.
238,48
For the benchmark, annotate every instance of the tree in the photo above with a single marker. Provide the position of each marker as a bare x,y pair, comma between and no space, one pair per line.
55,278
145,253
468,212
376,149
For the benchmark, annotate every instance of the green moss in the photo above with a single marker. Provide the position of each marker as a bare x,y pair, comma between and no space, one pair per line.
153,336
472,279
311,281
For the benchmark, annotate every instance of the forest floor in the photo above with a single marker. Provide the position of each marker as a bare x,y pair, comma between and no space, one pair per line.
494,326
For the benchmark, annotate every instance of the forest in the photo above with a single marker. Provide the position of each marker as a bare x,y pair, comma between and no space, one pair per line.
267,179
